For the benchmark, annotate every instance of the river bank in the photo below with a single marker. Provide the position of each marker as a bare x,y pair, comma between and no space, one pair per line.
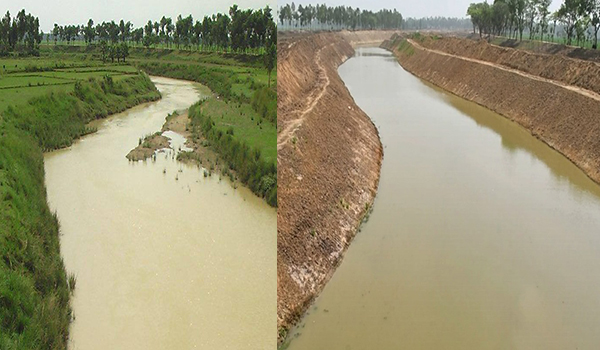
329,157
157,246
555,98
33,279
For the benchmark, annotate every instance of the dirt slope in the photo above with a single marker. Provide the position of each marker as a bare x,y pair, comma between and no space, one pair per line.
584,74
557,111
329,156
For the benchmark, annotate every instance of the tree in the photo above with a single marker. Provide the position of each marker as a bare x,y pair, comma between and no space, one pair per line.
570,15
543,15
124,51
270,60
89,32
104,50
595,21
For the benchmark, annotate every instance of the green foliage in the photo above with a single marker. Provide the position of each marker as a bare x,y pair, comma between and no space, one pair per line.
20,34
218,79
264,102
260,176
339,17
56,119
34,289
34,309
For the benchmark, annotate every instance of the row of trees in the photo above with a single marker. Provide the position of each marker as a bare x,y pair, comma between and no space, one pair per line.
339,17
239,30
580,19
436,23
21,33
118,51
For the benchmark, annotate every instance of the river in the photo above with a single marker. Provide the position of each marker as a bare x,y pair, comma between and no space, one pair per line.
482,237
164,257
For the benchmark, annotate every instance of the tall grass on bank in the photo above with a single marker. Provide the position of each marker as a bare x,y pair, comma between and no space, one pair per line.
220,80
34,290
56,119
253,171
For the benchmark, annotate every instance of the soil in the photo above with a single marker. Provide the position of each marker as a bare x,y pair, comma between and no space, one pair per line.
557,67
329,157
554,97
179,123
147,148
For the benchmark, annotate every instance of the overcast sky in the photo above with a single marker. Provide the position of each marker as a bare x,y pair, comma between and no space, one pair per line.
410,8
136,11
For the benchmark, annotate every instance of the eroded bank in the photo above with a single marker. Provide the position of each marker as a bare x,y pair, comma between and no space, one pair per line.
329,155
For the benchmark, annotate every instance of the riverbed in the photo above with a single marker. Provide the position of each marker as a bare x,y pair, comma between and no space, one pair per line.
164,257
482,237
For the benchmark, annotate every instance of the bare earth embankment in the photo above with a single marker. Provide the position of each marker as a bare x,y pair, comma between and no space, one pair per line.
329,156
555,97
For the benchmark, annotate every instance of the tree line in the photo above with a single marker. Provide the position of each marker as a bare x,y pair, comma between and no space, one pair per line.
239,30
21,33
578,19
336,18
436,23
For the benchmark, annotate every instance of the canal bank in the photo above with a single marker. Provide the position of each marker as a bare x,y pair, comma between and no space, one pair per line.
328,155
483,237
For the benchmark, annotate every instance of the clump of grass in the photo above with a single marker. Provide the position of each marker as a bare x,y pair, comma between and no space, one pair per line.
344,204
72,281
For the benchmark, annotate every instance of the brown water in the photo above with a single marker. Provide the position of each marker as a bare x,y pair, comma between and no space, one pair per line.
167,260
482,237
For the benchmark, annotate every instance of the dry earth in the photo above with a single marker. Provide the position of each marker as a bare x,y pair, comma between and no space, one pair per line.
328,155
553,96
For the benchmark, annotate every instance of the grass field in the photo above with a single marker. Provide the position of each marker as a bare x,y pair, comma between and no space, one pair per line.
246,125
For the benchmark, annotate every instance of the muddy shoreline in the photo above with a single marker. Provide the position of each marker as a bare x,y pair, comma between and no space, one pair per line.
319,127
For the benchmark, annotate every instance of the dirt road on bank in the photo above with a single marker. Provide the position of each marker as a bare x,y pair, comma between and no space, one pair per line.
329,156
554,97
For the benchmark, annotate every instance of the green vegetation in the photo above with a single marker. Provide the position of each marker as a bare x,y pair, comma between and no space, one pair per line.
248,31
47,99
337,18
34,289
242,147
20,34
578,19
242,112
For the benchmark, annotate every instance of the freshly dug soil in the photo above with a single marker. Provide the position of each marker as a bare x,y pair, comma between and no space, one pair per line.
585,74
563,116
329,157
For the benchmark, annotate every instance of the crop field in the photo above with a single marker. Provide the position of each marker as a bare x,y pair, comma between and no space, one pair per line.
26,78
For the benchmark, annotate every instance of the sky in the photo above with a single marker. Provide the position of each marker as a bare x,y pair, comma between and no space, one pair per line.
136,11
409,8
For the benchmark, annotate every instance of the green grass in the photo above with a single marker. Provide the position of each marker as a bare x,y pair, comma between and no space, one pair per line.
34,289
231,137
247,125
22,79
242,107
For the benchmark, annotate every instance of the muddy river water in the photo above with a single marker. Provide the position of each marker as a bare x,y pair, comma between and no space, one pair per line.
164,257
482,237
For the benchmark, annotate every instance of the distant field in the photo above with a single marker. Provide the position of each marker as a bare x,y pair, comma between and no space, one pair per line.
24,78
